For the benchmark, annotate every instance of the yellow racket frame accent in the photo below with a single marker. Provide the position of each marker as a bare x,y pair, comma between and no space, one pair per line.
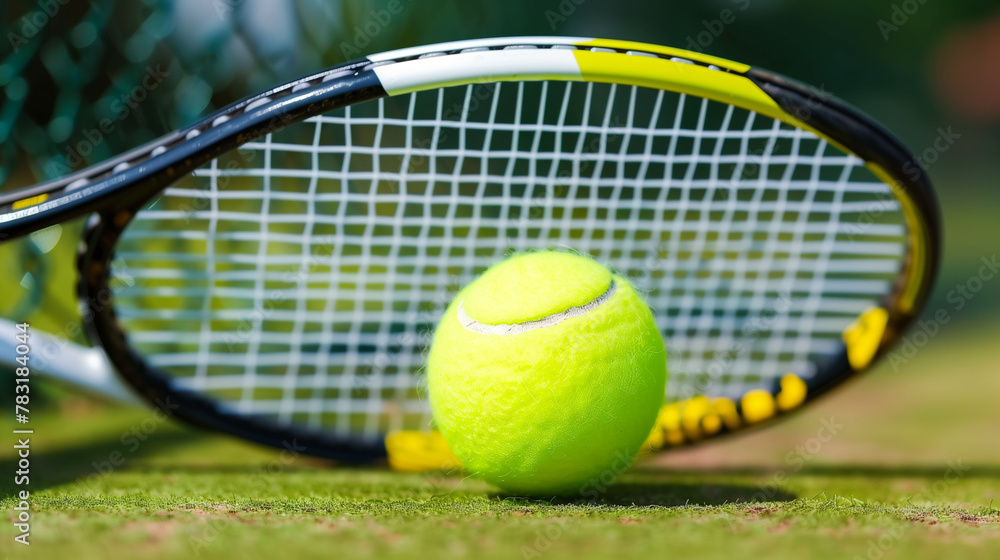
864,336
418,451
723,81
29,202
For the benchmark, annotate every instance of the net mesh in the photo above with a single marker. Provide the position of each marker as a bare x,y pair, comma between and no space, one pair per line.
300,277
85,80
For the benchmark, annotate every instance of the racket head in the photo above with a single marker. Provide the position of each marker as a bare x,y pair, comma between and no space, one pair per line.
802,180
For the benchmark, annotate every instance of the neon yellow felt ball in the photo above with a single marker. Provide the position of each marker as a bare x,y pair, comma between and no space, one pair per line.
546,374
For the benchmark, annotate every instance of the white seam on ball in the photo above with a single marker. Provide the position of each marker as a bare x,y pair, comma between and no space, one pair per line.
475,326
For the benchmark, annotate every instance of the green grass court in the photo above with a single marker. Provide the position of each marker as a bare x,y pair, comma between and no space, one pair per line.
909,474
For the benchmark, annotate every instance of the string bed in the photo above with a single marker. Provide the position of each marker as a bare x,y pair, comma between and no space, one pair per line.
300,277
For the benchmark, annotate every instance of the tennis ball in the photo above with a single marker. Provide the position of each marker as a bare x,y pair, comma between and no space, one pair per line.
546,375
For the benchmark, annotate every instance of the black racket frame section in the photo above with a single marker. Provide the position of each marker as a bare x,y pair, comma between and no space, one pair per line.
114,196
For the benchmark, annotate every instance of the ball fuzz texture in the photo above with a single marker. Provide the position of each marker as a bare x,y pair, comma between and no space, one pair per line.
546,375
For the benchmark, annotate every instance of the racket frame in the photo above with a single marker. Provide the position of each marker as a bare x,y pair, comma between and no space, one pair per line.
114,192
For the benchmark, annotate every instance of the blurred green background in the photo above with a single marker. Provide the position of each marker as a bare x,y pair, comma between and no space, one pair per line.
925,68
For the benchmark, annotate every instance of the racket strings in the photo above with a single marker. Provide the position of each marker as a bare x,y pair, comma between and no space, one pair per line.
300,277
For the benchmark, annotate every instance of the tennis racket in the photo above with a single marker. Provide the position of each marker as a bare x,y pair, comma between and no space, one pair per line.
288,257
